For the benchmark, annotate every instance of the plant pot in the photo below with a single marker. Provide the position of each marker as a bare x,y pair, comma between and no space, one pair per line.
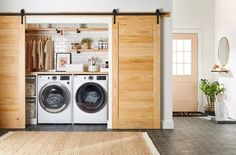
86,46
209,110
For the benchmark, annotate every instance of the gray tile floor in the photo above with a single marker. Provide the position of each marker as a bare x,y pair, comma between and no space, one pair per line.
191,136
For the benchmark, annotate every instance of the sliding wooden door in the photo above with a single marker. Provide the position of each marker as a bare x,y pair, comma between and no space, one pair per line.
12,72
136,72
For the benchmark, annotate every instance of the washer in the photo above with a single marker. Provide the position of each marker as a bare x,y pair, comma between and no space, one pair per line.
90,99
54,99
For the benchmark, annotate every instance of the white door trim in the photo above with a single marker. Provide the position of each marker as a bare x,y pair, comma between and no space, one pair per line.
200,58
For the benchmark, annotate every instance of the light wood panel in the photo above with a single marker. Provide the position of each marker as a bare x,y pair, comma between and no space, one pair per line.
136,72
12,72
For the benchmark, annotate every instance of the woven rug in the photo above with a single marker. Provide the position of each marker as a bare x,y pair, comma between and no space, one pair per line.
76,143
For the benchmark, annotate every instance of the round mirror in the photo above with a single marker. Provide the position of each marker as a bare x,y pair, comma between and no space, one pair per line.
223,51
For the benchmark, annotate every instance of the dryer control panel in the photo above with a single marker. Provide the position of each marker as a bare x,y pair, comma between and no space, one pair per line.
101,77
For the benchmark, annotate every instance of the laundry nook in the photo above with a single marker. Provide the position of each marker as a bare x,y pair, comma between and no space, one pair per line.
67,70
113,77
99,69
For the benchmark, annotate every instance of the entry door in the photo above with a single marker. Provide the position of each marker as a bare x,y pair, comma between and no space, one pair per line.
185,72
12,72
136,72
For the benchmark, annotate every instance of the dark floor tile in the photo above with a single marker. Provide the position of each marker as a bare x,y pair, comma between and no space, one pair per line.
191,136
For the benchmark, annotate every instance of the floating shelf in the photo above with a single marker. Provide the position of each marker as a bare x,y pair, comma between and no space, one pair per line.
219,71
67,73
66,29
89,50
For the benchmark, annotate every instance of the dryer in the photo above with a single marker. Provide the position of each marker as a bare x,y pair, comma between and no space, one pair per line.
90,99
54,99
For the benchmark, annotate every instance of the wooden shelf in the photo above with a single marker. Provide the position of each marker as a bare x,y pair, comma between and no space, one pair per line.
67,73
89,50
66,29
219,71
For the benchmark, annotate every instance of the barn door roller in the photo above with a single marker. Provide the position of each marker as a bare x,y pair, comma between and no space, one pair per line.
22,14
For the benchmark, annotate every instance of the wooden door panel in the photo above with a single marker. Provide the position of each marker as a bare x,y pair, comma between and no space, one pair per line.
185,91
12,81
136,64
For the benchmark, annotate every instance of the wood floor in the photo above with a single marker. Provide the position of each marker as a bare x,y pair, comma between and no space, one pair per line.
192,135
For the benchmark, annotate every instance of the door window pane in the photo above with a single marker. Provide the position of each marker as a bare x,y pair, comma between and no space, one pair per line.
180,45
187,45
180,69
187,57
182,57
174,57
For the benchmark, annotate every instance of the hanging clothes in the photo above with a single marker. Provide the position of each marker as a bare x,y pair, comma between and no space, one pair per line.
35,56
30,59
40,55
49,51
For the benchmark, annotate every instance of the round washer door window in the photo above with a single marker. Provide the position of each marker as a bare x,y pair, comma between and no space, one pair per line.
91,97
54,97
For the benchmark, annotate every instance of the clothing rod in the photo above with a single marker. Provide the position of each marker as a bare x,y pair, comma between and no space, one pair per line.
39,34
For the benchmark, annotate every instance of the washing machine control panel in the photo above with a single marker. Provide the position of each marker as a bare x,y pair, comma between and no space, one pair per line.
90,77
101,77
64,77
54,78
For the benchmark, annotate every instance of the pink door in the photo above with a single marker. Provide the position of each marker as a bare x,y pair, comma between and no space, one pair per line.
185,72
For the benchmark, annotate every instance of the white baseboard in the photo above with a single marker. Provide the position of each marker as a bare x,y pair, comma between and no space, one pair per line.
167,124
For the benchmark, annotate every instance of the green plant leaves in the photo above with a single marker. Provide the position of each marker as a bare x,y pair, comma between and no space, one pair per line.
211,90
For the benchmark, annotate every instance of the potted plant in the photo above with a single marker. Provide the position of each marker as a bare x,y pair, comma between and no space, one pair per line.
211,90
86,43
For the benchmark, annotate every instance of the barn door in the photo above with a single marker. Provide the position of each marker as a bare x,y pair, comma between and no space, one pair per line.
136,72
12,72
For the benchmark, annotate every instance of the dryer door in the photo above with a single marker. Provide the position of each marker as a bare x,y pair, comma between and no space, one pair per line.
54,97
91,97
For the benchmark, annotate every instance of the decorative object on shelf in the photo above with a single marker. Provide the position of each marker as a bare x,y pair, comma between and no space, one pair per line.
92,67
218,68
223,56
83,25
75,46
74,67
86,43
61,60
102,44
211,90
105,67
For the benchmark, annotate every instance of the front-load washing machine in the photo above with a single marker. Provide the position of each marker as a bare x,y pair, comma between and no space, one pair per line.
90,99
54,99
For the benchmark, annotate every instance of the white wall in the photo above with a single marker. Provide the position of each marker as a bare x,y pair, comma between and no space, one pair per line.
108,6
226,26
197,16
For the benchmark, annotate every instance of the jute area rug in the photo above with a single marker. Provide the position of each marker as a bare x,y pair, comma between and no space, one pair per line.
76,143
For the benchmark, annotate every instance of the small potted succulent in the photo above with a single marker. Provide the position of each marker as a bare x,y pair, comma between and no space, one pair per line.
211,90
86,43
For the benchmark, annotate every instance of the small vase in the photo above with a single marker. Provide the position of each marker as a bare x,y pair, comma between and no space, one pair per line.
220,108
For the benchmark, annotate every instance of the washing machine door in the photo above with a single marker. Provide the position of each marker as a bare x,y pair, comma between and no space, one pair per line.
54,97
91,97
